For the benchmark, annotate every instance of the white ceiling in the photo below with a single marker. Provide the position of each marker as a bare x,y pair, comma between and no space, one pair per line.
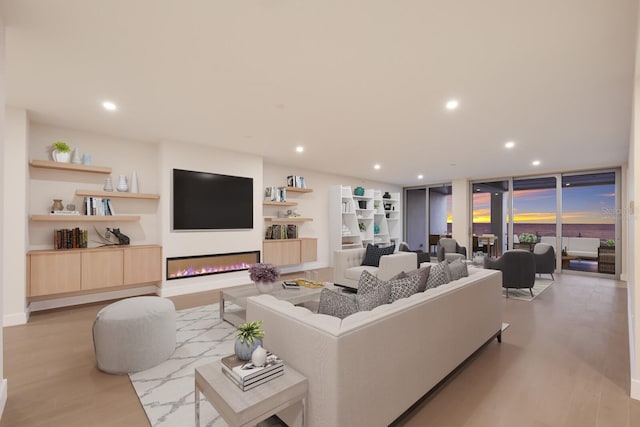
354,82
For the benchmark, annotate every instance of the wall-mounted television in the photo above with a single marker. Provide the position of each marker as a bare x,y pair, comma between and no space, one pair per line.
210,201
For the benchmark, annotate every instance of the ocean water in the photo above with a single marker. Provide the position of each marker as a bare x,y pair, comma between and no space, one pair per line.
601,231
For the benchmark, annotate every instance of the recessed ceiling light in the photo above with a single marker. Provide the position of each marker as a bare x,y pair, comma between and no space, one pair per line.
420,176
110,106
510,144
299,149
536,163
477,189
452,104
376,166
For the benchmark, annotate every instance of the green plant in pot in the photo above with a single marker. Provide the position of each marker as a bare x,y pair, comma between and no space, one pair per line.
250,336
527,238
61,152
610,242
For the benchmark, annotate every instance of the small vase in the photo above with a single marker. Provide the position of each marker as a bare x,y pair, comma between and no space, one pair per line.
264,287
122,184
259,356
57,205
386,195
108,184
75,157
244,350
134,183
61,157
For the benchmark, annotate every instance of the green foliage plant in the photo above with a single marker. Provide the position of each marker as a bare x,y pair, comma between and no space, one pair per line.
249,331
61,147
527,238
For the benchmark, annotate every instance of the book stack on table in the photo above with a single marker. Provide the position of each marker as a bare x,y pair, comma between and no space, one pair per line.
246,375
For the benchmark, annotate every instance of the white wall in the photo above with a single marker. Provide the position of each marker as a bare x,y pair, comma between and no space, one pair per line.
461,206
15,216
3,387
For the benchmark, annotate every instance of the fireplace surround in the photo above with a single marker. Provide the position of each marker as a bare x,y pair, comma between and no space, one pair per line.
205,265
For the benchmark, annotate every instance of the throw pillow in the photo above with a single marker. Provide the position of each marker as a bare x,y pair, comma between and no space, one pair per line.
373,298
458,269
439,275
368,282
373,254
404,288
336,304
423,273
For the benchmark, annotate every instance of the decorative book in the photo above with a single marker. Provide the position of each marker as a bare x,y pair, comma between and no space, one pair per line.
246,375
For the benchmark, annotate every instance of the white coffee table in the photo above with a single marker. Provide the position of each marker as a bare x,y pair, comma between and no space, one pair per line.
247,408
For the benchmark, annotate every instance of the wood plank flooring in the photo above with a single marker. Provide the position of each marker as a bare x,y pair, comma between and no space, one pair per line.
564,361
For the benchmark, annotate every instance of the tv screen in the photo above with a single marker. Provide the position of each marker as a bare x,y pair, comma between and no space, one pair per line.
209,201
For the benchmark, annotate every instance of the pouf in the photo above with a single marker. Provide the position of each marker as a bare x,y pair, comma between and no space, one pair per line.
134,334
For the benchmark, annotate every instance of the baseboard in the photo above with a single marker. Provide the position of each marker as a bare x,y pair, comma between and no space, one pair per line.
16,318
623,277
86,299
635,389
3,396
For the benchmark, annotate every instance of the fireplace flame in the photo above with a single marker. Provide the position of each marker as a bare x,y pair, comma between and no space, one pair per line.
190,271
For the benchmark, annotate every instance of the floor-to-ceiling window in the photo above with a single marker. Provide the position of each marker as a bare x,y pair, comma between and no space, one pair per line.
534,211
489,224
428,216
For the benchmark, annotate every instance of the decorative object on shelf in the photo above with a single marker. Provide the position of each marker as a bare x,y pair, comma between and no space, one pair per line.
250,336
61,152
295,181
122,238
272,194
362,204
264,275
71,207
259,356
122,184
108,184
57,205
75,156
358,191
134,183
386,195
86,159
376,229
362,226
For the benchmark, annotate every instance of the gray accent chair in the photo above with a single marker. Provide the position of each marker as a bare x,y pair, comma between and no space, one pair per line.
545,259
518,269
422,256
450,250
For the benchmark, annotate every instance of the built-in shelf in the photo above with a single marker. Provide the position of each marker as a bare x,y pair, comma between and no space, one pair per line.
268,203
85,218
298,190
114,194
46,164
286,220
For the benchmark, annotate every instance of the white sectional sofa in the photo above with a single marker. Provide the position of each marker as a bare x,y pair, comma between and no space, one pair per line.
347,268
581,247
369,368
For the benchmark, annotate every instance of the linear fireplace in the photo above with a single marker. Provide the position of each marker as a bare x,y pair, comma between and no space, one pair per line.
204,265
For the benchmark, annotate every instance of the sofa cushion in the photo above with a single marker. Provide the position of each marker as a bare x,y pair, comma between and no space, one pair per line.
458,269
354,273
373,254
336,304
439,275
404,288
422,272
372,292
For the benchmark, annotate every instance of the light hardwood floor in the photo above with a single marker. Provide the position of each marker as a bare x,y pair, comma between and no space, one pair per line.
562,362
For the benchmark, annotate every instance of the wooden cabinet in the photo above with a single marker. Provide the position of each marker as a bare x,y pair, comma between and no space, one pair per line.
78,270
290,251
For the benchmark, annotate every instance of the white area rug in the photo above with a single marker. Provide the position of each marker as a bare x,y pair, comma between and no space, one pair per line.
539,287
167,390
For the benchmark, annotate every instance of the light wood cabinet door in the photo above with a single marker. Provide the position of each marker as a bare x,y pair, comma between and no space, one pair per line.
102,269
281,252
308,249
54,273
142,265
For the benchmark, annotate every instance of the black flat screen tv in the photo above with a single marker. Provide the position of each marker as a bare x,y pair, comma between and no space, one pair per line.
210,201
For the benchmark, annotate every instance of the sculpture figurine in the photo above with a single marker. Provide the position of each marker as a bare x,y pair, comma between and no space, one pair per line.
122,238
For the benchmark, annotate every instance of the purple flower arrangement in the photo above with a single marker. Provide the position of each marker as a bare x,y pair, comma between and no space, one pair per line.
264,272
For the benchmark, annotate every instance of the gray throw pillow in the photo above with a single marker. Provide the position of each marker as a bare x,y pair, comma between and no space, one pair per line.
458,269
423,273
336,304
373,254
404,288
439,275
373,298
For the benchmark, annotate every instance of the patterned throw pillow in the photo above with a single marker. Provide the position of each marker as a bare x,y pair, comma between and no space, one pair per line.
439,275
373,254
404,288
423,273
458,269
336,304
372,292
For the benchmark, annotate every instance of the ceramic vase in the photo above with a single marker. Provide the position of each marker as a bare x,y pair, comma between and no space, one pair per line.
259,356
75,157
122,184
61,157
134,183
264,287
57,205
108,184
244,350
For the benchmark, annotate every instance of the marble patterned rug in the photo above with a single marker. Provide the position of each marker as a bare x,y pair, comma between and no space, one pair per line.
523,294
167,390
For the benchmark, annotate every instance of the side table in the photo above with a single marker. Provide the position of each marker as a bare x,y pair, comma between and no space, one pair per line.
247,408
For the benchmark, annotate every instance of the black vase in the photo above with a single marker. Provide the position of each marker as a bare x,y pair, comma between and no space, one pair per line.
386,195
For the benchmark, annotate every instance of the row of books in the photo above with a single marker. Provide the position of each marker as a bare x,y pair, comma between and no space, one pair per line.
279,231
246,375
70,238
98,206
295,181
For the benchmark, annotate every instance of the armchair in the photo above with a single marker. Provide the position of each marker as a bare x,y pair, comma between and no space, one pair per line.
450,250
545,257
422,256
518,269
348,266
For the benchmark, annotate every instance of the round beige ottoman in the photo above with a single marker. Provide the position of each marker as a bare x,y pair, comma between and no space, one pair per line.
134,334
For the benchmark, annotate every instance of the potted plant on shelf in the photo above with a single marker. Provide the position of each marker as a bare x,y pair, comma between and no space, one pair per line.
250,336
264,275
61,152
